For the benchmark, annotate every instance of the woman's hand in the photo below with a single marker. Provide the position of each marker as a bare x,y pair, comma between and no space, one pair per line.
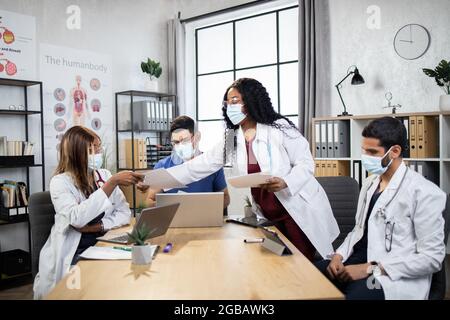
274,184
123,178
126,178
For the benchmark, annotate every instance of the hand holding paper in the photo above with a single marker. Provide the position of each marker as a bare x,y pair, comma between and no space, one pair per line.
250,181
161,179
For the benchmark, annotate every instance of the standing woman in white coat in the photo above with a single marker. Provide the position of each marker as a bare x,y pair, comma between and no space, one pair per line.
258,139
87,203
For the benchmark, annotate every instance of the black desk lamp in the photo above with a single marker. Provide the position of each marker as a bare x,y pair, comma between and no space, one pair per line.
356,80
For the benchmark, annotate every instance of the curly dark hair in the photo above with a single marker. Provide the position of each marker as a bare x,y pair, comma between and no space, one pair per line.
258,104
259,109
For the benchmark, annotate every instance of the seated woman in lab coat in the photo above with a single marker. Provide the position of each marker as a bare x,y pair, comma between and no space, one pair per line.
258,139
398,240
87,203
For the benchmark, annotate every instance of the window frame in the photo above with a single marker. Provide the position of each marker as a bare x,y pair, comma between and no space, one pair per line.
277,64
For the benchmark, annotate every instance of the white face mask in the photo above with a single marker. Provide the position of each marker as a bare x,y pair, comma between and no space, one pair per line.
95,161
374,165
235,114
185,151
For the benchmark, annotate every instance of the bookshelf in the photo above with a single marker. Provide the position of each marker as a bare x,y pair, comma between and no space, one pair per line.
21,168
437,163
142,133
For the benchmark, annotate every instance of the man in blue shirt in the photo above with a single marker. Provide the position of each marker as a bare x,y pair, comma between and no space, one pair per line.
185,142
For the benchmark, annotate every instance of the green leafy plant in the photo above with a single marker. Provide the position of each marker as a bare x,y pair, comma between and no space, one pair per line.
248,203
139,235
441,74
152,68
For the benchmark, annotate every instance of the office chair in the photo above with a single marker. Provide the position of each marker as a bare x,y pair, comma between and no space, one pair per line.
42,218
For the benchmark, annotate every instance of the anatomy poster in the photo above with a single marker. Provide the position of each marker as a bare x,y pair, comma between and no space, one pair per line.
17,46
77,91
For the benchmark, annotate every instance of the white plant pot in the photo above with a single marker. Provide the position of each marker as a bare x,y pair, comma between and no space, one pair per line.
248,213
151,85
444,102
141,255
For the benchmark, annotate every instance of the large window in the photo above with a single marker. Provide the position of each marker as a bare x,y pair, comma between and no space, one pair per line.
263,47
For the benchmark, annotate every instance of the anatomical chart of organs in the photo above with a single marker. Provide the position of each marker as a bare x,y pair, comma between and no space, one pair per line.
17,46
77,92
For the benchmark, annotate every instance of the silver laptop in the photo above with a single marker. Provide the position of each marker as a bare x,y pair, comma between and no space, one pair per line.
157,219
196,209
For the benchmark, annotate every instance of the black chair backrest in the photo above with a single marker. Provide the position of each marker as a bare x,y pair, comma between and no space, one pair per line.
343,193
439,280
42,218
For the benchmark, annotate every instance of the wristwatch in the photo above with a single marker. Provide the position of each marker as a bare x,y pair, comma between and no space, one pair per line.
374,269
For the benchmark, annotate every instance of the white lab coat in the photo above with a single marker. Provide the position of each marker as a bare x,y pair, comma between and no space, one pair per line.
73,210
418,247
286,156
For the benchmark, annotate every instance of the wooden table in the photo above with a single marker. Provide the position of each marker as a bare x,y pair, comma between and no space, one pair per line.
205,263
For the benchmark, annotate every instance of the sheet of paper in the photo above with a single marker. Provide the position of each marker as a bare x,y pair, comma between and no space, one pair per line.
161,179
250,180
105,253
108,253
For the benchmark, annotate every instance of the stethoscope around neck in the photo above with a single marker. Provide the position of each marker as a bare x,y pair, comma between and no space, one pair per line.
381,213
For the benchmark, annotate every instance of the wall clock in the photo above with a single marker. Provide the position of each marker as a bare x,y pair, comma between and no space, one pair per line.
412,41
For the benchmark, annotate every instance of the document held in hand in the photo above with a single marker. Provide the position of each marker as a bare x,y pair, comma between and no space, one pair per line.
161,179
249,180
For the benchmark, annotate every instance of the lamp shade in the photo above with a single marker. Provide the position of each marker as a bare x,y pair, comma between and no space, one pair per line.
357,78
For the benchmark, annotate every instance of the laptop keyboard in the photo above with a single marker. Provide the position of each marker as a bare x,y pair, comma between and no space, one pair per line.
123,238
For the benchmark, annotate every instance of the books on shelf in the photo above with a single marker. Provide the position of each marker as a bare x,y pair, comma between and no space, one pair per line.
13,194
15,148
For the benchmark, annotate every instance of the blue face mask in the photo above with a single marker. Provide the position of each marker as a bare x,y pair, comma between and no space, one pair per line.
374,165
235,114
95,161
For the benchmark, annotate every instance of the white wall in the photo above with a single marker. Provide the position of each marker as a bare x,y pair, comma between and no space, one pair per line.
373,52
128,30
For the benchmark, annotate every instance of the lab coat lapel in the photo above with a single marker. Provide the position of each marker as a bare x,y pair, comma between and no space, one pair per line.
390,190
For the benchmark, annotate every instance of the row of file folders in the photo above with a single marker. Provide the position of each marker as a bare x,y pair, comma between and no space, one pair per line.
332,139
153,115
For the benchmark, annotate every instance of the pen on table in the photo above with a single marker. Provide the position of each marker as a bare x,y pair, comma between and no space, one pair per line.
257,240
123,248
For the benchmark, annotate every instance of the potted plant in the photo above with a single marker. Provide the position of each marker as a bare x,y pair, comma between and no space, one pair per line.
154,71
442,76
141,252
248,212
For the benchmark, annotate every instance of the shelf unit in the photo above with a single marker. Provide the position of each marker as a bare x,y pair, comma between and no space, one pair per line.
128,115
24,86
441,163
